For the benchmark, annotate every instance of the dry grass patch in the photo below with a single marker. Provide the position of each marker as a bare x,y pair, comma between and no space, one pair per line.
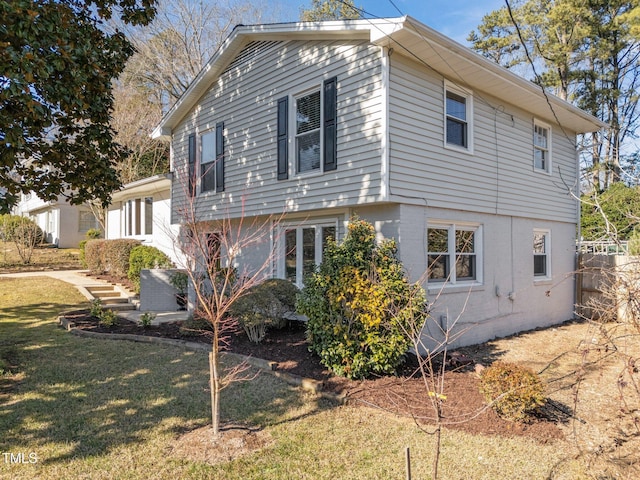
43,258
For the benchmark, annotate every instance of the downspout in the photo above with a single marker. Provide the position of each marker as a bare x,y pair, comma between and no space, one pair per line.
577,277
385,68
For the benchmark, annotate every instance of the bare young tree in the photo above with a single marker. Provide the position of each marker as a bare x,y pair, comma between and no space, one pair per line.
215,255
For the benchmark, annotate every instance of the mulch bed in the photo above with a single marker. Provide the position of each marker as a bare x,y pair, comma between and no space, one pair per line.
405,394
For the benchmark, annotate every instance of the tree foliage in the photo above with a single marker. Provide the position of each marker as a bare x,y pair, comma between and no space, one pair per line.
612,214
57,63
360,305
330,10
586,53
183,36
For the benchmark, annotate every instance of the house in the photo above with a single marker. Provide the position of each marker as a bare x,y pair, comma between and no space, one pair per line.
467,165
63,224
141,210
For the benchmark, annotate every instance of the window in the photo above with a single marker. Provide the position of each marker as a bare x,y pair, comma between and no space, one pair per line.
313,127
458,118
214,250
308,132
212,160
452,252
86,221
541,147
138,216
207,161
303,247
541,254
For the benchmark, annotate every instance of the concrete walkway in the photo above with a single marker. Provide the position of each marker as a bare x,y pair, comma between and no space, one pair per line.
86,285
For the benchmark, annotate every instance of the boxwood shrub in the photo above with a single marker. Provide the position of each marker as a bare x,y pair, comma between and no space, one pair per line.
145,256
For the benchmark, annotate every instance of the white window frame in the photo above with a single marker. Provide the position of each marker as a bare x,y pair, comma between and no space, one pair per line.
130,218
209,135
293,127
547,168
452,228
547,254
468,96
299,228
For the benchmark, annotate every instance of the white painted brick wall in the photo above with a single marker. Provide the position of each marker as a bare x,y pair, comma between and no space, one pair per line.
156,292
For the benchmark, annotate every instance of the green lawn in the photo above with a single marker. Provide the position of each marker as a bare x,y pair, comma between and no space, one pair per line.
95,409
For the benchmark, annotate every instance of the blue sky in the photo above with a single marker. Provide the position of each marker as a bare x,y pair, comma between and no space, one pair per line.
454,18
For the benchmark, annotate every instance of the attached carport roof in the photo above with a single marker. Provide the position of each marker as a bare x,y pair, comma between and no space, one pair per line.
407,37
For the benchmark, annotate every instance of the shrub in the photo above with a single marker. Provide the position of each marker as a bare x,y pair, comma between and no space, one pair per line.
146,319
144,256
263,306
513,391
360,305
108,318
92,234
116,256
109,256
96,308
22,231
94,256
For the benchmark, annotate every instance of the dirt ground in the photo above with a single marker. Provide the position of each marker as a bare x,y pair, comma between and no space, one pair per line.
589,371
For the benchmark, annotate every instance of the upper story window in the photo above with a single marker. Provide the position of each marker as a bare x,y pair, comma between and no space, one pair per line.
308,136
207,161
541,254
454,253
211,160
541,147
458,118
311,127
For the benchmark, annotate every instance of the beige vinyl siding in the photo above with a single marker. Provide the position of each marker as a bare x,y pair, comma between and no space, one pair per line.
497,178
245,99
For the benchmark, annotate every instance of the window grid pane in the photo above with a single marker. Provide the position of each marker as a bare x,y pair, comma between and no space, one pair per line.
308,132
308,251
148,215
290,255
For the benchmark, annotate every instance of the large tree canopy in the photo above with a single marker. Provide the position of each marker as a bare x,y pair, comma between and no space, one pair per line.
585,52
57,62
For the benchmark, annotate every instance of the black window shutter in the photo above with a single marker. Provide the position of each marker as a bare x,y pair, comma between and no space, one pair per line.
283,138
220,157
192,165
330,157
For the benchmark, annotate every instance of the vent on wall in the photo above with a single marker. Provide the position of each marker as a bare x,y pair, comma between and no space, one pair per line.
248,54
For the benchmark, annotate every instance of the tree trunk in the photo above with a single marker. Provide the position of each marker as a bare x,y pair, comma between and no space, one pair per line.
214,380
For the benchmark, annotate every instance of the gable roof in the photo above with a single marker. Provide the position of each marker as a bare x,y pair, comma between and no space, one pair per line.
406,36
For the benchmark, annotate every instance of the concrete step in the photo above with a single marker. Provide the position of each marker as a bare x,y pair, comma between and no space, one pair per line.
119,307
113,300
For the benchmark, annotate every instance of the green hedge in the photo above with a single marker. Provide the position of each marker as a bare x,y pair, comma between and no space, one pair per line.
144,256
109,256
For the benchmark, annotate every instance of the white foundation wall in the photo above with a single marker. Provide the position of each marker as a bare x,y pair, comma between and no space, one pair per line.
508,298
505,299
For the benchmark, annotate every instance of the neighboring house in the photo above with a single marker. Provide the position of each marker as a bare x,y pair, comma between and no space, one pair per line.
141,210
63,224
465,164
